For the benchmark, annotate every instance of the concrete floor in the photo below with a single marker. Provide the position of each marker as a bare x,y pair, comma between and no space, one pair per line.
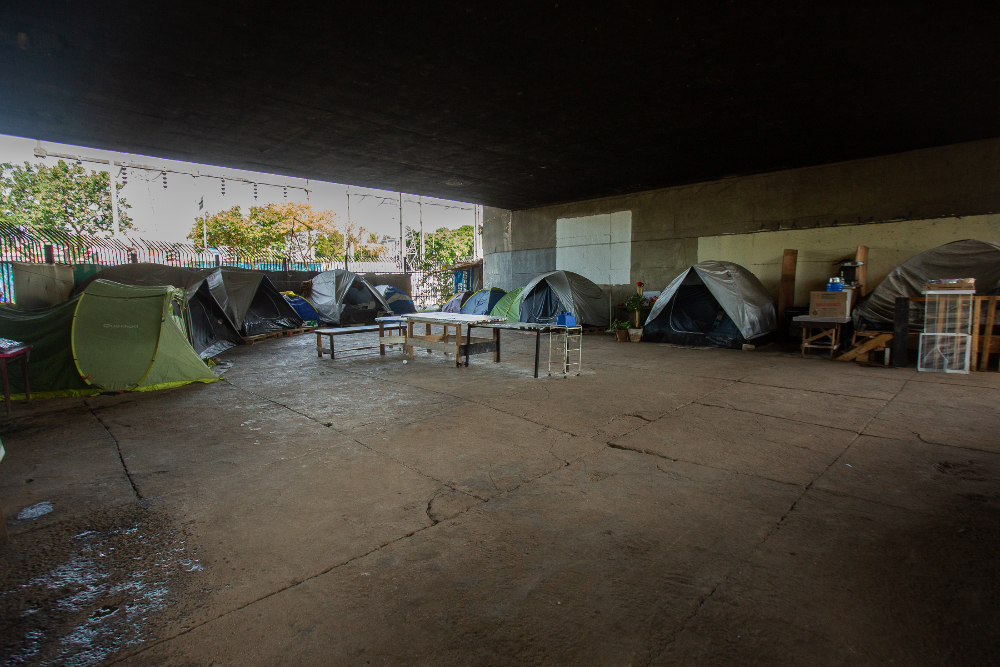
668,507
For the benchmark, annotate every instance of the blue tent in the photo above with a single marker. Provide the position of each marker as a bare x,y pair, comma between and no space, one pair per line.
398,300
482,302
302,306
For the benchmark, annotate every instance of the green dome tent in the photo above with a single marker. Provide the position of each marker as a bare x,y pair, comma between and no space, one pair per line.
111,337
509,305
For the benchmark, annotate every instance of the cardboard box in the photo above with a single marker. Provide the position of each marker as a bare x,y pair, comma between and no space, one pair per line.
950,283
831,304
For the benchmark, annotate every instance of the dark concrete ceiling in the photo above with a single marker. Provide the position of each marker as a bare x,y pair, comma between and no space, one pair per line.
502,104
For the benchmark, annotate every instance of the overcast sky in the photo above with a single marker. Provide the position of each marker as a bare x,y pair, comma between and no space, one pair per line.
167,214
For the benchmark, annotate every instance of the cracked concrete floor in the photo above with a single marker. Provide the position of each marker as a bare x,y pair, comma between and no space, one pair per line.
670,506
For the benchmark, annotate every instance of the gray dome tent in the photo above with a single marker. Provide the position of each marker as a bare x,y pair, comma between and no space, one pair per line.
255,305
959,259
712,303
341,297
551,294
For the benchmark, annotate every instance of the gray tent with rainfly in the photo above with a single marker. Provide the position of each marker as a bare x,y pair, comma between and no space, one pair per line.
549,295
712,303
254,304
341,297
959,259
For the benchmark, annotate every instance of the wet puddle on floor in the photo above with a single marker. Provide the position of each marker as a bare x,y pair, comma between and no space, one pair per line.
79,591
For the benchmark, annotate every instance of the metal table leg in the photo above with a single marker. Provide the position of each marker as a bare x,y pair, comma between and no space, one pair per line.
538,345
468,342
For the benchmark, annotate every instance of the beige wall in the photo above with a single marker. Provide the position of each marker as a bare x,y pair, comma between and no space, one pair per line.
925,197
889,245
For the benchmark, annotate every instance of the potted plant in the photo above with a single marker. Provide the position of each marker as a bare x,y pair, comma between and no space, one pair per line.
620,327
634,304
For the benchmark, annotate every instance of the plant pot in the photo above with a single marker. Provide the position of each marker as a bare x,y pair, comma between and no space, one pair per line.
635,335
622,335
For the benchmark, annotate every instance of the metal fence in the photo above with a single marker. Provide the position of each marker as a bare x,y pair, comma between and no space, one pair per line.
20,244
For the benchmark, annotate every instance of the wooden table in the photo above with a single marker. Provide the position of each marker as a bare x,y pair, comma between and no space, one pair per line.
18,353
829,336
451,341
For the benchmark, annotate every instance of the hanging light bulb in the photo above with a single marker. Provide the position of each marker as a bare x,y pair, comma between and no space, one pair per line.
285,191
164,180
255,192
124,174
223,187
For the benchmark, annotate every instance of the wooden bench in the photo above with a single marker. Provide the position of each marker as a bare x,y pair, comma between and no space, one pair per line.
347,331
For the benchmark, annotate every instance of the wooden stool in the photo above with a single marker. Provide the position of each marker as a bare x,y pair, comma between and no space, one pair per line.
20,352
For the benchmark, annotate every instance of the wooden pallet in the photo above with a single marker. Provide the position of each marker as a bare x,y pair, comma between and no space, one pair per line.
250,340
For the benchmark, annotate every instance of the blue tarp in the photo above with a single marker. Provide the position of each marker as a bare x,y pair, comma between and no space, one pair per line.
302,307
398,300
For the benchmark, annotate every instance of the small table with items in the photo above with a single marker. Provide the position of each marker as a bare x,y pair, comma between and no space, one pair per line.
10,351
828,337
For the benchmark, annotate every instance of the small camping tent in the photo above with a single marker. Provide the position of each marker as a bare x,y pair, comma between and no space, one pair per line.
254,303
509,305
712,303
549,295
302,306
483,301
456,302
343,298
111,337
207,322
960,259
398,300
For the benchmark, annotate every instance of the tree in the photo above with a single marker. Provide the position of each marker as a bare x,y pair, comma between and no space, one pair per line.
302,228
293,230
63,197
443,248
447,246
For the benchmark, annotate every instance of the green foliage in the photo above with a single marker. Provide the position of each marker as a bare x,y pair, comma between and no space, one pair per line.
443,248
64,197
619,325
447,246
636,301
292,229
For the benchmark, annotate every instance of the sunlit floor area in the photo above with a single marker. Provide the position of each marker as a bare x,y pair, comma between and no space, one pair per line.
668,506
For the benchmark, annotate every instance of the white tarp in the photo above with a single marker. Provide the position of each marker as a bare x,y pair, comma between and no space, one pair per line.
737,290
960,259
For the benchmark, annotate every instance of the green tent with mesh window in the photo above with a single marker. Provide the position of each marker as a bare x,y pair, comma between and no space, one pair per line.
509,305
111,337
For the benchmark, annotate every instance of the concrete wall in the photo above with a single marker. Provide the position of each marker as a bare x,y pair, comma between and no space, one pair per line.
890,244
898,205
41,285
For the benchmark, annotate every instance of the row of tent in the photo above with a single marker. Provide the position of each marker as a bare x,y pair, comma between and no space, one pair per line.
224,305
711,303
147,326
137,327
723,304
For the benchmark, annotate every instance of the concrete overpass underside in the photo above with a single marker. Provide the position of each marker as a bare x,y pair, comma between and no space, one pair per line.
514,107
